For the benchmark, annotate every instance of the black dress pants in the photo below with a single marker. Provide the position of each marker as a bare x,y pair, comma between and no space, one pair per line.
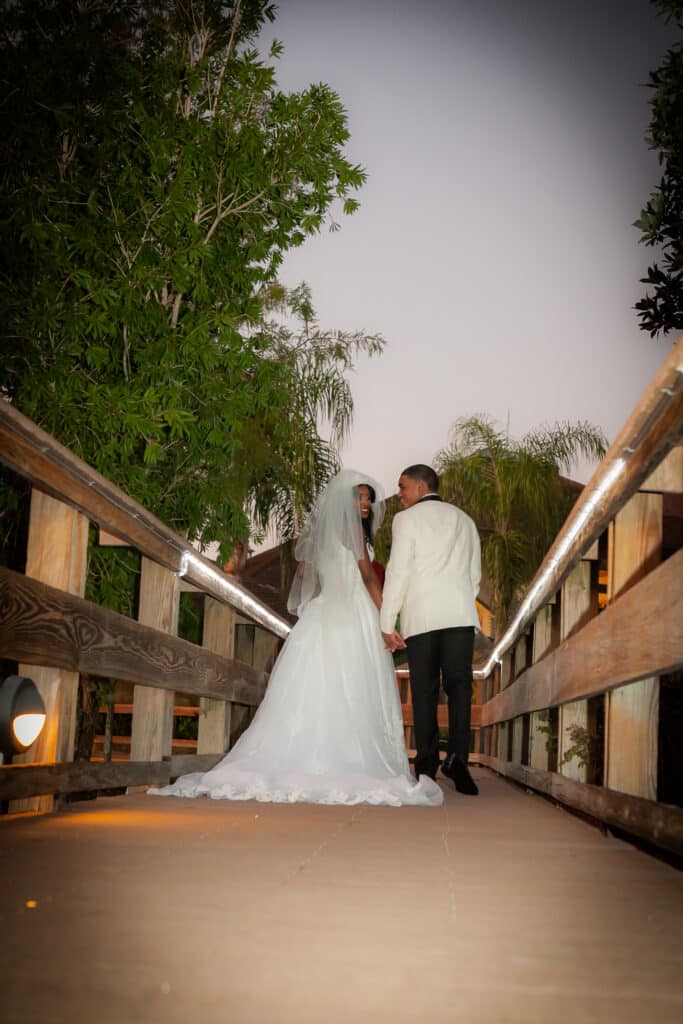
447,654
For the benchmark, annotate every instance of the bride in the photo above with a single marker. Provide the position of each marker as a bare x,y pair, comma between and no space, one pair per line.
329,729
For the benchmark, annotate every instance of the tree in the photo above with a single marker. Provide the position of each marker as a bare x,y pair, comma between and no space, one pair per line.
514,492
153,175
153,179
661,221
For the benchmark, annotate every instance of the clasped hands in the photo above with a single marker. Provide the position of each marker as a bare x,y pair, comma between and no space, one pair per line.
394,641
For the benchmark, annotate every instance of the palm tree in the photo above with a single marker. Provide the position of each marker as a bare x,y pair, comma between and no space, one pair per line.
301,459
515,493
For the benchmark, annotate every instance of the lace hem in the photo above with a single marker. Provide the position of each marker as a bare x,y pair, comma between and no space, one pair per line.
397,791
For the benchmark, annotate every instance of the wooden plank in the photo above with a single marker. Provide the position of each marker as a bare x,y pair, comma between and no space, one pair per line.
57,555
520,655
517,732
638,636
183,764
660,824
265,649
578,605
635,542
179,710
635,545
240,719
651,431
631,756
592,554
486,621
152,730
21,781
543,632
668,476
215,721
35,455
538,740
43,626
105,539
572,716
441,715
506,671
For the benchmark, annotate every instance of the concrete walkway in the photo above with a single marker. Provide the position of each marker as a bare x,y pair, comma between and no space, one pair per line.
501,908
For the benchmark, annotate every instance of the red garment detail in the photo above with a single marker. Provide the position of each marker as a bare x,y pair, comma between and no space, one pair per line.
379,571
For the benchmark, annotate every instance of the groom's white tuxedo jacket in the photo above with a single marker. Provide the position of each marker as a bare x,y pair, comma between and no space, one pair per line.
434,570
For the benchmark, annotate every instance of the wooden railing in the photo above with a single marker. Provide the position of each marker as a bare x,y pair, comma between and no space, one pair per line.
54,634
580,697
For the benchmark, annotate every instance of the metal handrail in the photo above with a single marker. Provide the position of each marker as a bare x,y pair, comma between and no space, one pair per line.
650,432
648,435
106,504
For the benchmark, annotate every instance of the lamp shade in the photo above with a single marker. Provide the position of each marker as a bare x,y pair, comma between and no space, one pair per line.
22,715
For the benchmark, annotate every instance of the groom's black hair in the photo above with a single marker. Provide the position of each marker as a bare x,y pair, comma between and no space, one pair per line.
424,473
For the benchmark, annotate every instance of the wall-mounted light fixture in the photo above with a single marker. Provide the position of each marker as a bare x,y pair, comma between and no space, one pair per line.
22,715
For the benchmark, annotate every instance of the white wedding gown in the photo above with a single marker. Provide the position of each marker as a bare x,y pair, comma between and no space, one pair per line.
329,729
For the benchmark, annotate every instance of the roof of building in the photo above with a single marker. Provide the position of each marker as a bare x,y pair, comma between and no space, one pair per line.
262,575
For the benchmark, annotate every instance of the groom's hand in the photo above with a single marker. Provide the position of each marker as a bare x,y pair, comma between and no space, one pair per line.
394,641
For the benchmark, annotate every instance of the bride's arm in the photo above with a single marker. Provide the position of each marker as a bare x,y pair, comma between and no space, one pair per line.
370,580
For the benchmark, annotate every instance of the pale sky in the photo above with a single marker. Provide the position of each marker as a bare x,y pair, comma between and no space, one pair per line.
503,141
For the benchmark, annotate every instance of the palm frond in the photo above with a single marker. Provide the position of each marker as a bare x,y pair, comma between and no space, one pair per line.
513,491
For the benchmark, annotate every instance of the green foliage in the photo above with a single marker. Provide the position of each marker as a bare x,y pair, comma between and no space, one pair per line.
551,739
320,393
190,618
113,577
185,727
513,491
15,500
661,221
382,543
584,745
153,178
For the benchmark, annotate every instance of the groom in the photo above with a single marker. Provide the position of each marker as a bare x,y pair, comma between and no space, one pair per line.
432,580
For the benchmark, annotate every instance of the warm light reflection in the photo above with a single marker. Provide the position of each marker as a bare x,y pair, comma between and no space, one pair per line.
162,813
27,728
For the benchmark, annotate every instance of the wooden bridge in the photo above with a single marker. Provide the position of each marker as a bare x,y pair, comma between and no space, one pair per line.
506,908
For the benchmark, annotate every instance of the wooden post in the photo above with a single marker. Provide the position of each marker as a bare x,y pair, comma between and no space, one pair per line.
633,716
520,655
517,726
503,729
506,670
265,649
152,731
57,554
215,716
542,632
542,642
239,721
635,542
577,606
538,740
668,476
632,712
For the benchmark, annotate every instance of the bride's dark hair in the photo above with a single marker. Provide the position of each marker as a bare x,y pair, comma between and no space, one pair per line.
367,522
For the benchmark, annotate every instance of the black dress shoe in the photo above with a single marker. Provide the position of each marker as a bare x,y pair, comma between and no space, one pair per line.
458,772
